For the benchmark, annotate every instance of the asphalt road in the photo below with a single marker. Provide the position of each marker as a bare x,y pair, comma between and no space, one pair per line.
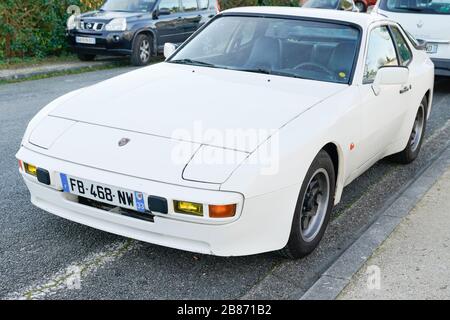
40,253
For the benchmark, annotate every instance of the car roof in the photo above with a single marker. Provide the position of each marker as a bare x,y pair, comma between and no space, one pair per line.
362,19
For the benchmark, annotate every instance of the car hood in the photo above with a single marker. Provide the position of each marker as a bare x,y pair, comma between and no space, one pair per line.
109,15
196,104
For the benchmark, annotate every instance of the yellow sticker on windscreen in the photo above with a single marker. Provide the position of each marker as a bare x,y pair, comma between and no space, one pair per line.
342,74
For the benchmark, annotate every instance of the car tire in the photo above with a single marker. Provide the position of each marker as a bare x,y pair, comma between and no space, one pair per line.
412,149
142,50
313,209
86,57
361,6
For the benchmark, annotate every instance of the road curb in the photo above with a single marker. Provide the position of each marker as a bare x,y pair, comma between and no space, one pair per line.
24,73
339,274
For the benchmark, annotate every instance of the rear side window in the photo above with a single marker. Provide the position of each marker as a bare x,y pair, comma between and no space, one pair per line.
404,52
381,53
203,4
189,5
172,5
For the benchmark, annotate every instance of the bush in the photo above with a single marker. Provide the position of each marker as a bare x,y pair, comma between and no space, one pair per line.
36,27
228,4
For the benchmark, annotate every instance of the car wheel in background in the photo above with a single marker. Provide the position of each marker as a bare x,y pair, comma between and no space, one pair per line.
86,57
142,50
361,6
410,153
313,209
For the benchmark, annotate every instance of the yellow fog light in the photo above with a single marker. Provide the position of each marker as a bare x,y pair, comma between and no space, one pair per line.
30,169
188,207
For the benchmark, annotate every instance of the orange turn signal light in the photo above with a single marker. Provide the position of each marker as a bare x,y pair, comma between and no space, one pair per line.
222,211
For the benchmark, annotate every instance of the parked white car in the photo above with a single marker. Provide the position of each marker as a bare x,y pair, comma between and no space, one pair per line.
242,140
427,20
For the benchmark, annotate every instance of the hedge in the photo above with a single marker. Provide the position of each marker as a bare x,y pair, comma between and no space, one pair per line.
37,27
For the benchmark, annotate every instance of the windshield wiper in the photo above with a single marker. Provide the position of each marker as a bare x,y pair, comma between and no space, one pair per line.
257,70
193,62
272,72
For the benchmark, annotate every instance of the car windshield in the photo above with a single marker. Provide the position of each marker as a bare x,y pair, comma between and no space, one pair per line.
417,6
129,5
322,4
296,48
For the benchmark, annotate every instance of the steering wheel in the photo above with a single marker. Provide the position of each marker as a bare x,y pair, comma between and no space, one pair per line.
312,65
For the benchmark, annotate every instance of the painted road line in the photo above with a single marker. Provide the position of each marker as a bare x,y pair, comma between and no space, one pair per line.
71,277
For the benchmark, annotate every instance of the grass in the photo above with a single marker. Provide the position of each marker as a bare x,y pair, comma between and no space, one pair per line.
16,62
64,73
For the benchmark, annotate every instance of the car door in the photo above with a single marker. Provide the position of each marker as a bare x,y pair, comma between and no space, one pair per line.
191,17
169,22
383,110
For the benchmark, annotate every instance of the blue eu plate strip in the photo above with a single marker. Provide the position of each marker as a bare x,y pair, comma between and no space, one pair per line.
64,182
140,203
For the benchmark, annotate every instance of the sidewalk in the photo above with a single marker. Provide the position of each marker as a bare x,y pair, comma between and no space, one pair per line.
32,71
414,261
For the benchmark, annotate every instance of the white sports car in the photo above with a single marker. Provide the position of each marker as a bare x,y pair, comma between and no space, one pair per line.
242,140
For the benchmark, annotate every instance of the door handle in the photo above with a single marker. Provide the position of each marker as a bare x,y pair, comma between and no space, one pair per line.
405,89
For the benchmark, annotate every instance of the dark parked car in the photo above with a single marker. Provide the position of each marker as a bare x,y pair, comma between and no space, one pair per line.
136,28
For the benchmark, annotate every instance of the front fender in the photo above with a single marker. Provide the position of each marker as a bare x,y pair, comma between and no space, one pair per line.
284,159
153,32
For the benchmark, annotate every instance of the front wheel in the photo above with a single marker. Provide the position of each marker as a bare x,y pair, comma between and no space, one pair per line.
412,149
313,209
142,50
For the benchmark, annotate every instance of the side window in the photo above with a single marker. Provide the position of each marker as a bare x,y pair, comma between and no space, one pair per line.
189,5
380,53
203,4
404,52
172,5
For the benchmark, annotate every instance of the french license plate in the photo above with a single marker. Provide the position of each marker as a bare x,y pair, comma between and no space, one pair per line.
118,197
432,48
85,40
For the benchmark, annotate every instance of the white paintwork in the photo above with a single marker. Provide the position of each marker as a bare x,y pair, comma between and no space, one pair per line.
159,108
213,164
390,76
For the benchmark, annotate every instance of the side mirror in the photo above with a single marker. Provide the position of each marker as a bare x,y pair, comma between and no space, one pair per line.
164,12
389,76
169,49
421,44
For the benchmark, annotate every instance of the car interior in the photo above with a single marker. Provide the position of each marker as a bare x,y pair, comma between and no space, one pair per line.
311,52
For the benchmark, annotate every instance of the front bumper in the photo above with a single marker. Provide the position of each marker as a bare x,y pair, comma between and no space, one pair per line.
259,226
442,66
106,43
